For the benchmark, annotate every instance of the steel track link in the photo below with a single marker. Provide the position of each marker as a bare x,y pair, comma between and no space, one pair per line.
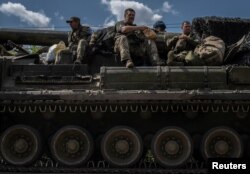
163,106
101,171
47,166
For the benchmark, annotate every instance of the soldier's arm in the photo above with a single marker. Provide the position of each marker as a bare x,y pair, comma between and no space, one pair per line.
127,29
70,43
172,42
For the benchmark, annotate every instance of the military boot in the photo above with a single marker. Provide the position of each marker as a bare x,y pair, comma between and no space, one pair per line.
129,63
77,61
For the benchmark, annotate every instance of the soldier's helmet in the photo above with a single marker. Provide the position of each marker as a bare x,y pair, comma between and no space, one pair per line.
159,24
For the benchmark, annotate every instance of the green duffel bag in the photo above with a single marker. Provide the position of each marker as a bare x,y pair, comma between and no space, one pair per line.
211,51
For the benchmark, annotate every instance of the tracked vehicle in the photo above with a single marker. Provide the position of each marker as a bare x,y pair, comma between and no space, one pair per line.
103,118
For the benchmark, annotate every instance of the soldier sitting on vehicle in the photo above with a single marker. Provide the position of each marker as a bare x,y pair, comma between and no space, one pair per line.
77,41
127,32
161,38
179,46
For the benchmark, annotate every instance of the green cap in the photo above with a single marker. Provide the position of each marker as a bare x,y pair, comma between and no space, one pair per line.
73,18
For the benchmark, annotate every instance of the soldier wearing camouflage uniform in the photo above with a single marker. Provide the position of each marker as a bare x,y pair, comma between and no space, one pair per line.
179,46
160,29
161,38
77,40
127,32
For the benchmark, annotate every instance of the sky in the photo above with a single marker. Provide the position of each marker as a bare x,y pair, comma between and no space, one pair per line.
52,14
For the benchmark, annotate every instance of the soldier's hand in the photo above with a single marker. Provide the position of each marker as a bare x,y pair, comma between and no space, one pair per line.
141,28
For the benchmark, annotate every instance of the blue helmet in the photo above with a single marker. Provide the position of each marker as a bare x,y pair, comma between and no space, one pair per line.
160,24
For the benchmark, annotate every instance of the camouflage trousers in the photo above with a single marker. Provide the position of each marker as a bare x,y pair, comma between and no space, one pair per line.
147,48
81,50
176,59
78,52
184,58
177,56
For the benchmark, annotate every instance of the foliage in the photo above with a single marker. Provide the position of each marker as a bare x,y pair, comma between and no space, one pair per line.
34,49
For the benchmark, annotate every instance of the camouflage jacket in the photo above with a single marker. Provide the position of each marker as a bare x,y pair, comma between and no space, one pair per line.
161,43
161,36
190,43
83,32
133,36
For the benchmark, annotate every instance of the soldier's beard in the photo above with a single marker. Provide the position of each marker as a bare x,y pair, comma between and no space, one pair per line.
187,33
130,21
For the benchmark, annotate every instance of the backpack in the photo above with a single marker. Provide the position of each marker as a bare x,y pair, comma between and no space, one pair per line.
104,38
53,52
211,51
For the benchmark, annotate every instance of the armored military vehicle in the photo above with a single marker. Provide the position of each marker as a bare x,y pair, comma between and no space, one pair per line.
101,117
